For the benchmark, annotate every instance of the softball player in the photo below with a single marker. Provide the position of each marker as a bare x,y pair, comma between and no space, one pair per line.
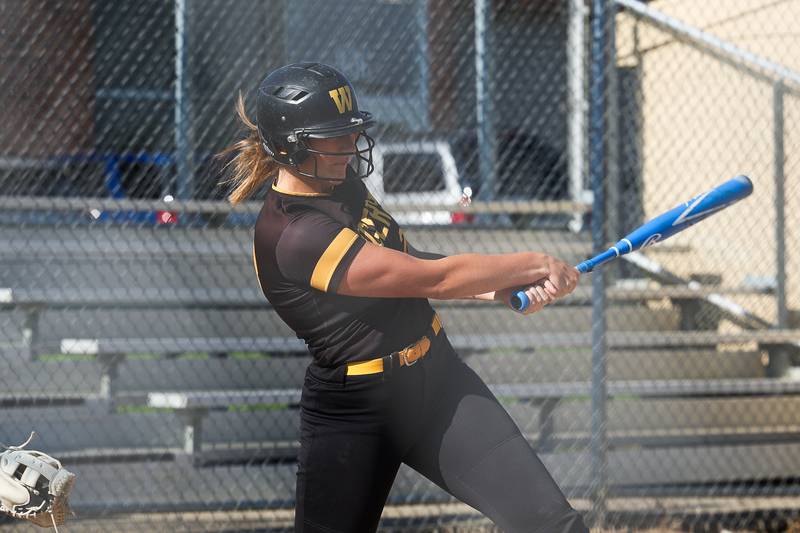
385,386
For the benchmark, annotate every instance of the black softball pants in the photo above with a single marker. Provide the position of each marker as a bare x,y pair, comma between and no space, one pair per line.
438,417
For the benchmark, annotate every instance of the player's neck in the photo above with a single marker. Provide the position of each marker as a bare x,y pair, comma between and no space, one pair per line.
293,183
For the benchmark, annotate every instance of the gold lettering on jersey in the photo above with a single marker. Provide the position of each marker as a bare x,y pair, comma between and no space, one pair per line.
375,222
403,241
371,232
341,97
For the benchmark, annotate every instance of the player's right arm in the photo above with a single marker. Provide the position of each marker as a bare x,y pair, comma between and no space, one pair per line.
382,272
319,252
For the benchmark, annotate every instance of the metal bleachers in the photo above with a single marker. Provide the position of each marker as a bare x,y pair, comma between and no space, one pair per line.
179,370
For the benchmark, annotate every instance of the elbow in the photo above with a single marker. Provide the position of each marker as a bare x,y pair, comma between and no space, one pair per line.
421,278
439,292
442,286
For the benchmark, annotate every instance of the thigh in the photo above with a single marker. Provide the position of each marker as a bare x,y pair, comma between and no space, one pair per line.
474,450
346,466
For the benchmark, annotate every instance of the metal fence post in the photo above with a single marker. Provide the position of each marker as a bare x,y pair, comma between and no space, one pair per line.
576,55
780,226
183,143
597,171
779,359
485,113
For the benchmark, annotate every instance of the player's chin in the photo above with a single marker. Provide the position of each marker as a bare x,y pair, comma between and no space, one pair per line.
337,173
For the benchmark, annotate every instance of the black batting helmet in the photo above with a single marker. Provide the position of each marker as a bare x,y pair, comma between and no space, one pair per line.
310,100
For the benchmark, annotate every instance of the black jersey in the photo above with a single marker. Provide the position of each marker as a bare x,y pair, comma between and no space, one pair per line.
303,245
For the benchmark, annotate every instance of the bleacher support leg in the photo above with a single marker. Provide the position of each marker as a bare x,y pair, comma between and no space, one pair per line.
546,425
109,370
30,330
779,360
698,315
193,430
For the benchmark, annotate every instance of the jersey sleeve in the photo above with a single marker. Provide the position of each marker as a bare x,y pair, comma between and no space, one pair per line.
315,250
419,254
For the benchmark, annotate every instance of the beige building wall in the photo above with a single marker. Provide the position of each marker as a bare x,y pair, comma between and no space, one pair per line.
705,122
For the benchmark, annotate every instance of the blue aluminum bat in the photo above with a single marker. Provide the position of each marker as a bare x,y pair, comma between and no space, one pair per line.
663,226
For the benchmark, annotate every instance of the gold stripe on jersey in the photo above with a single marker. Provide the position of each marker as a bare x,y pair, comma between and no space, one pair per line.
331,257
255,267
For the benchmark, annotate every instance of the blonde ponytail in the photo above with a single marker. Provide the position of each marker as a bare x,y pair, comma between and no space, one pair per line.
252,166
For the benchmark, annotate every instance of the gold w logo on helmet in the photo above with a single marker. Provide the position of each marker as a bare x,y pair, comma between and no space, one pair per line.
341,97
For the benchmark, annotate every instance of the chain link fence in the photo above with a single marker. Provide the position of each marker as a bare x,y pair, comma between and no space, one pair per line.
137,345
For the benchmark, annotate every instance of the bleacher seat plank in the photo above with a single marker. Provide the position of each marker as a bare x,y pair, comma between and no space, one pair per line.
33,399
627,339
538,391
74,377
123,297
218,399
474,342
57,427
685,465
167,345
114,242
575,365
654,415
653,388
490,320
211,373
129,273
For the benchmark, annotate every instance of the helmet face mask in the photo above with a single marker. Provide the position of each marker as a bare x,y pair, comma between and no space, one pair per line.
305,101
361,163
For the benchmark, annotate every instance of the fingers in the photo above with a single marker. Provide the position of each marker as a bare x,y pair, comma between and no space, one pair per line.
550,288
539,296
562,278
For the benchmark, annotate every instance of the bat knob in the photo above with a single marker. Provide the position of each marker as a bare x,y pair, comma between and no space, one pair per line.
520,301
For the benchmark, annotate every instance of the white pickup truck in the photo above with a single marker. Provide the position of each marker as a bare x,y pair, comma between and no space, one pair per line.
414,173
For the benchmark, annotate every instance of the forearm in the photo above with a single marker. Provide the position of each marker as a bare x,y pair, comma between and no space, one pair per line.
467,275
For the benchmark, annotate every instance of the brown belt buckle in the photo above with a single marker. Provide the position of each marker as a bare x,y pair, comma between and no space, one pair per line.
414,353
